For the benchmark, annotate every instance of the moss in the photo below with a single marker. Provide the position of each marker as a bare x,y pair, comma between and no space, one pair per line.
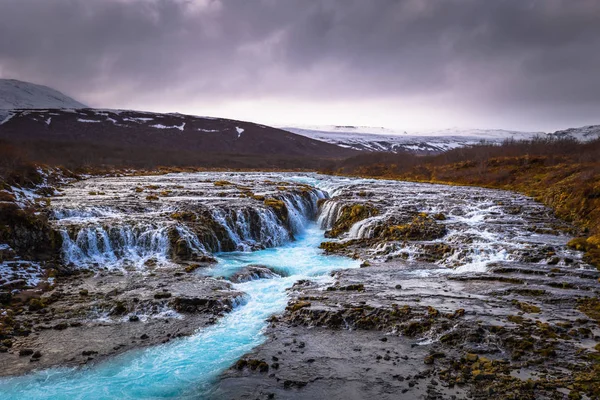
275,203
151,197
416,327
422,227
222,183
590,307
119,309
297,306
184,216
36,304
349,215
525,307
192,268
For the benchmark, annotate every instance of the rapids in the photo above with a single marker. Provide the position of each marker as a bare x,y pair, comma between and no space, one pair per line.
119,226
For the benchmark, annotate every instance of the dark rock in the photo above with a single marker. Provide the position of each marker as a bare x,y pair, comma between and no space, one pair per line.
25,352
252,272
5,297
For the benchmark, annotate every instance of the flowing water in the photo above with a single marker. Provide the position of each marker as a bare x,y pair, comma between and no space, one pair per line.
186,368
121,229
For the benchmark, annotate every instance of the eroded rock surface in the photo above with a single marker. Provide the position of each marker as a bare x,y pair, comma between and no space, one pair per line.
464,292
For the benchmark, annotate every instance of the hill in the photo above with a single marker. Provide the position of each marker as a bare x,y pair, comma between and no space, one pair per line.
139,139
17,94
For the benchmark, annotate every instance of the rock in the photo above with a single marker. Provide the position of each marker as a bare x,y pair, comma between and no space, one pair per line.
25,352
195,304
119,309
134,318
36,355
61,326
5,297
253,272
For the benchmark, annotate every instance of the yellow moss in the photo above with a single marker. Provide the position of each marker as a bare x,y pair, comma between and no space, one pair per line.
525,307
274,203
222,183
591,308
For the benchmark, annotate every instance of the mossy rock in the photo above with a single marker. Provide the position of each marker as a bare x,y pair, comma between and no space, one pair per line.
222,183
422,227
350,215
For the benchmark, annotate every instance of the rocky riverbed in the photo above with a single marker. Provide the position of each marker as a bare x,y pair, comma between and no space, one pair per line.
461,292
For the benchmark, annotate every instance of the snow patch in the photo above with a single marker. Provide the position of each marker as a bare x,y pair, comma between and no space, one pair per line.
161,126
88,120
239,131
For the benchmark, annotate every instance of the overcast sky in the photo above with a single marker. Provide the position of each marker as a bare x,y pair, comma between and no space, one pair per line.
412,64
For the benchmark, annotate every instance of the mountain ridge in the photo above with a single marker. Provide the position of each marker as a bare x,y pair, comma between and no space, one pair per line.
15,94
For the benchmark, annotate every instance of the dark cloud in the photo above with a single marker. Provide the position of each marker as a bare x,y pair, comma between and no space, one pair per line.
533,62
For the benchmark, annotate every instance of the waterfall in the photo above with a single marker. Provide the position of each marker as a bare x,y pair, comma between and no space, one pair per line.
106,246
117,236
329,214
253,227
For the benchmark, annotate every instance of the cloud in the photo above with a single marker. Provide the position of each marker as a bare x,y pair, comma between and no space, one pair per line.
529,63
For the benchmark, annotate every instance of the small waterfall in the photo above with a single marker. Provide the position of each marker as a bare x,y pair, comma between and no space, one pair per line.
102,236
108,246
329,214
364,229
253,227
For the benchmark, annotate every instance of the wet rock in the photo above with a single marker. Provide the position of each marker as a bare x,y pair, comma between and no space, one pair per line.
348,216
195,304
253,272
5,297
25,352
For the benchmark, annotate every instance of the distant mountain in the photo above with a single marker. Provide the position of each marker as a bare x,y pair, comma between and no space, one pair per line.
378,139
139,135
17,94
582,134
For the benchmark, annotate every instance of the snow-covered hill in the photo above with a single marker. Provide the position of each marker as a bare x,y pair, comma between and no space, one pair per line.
582,134
387,140
17,94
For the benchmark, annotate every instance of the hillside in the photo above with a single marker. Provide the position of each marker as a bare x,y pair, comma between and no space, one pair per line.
16,94
377,139
134,138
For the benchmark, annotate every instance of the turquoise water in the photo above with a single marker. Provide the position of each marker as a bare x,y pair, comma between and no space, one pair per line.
187,368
